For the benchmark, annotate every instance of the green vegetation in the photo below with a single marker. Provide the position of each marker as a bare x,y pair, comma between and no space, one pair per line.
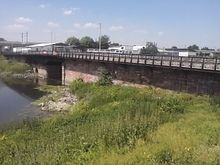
88,42
120,125
8,67
150,48
105,77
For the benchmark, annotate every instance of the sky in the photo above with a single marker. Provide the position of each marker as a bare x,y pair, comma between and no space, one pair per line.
134,22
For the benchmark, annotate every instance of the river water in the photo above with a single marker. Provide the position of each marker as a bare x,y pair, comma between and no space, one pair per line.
16,97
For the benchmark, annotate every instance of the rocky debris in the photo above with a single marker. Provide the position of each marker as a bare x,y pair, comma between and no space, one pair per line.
58,101
24,76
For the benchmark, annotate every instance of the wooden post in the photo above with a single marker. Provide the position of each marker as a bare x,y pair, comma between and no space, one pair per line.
153,59
215,67
171,58
191,62
203,60
181,60
145,59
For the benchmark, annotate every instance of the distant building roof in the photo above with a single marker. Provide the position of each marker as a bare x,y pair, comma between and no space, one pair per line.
179,50
14,43
47,44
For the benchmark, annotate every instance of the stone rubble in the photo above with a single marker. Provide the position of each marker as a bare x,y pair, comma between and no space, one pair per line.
64,101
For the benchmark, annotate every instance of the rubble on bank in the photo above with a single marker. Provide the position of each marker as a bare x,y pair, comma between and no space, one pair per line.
57,101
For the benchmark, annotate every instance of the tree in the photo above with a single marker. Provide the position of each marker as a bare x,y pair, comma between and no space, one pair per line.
105,41
193,47
105,77
2,39
205,48
114,44
73,41
87,42
150,48
174,47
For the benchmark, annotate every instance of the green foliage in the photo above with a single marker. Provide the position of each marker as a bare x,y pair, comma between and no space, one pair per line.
11,66
114,44
73,41
87,42
205,48
2,39
193,47
164,157
119,125
150,48
173,105
105,77
105,40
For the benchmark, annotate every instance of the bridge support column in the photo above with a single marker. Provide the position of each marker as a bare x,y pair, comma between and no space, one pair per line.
52,72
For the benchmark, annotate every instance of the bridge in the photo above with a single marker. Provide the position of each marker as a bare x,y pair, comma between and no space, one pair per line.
191,74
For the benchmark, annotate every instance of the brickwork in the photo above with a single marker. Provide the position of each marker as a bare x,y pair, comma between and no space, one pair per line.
179,80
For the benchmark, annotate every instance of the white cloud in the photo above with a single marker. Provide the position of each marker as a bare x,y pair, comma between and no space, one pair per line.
67,12
23,20
52,24
160,34
16,27
70,11
76,25
90,25
42,6
141,31
116,28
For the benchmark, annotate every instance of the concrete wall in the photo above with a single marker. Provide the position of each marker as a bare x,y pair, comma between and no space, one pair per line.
179,80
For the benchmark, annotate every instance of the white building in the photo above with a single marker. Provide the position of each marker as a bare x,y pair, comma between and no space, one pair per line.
137,49
177,52
126,49
121,49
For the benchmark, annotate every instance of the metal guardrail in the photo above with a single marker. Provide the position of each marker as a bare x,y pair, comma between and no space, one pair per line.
192,63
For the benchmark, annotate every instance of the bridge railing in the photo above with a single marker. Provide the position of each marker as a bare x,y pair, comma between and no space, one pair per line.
193,63
196,63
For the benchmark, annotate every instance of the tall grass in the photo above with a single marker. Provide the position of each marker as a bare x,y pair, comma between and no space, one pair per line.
11,66
117,125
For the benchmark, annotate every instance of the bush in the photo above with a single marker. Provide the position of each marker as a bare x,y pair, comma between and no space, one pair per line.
173,105
11,66
165,157
105,78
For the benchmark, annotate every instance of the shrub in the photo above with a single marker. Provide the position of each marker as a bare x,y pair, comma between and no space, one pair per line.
105,78
76,85
165,157
173,105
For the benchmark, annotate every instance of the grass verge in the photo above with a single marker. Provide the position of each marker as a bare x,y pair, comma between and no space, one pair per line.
120,125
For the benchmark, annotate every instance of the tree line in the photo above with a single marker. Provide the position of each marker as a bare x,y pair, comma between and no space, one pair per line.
88,42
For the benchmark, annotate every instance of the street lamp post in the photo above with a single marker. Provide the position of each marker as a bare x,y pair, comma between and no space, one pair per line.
100,32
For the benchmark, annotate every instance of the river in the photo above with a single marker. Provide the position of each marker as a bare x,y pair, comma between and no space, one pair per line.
16,97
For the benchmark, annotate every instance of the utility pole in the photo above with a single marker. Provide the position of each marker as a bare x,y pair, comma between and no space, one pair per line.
100,32
22,37
26,37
